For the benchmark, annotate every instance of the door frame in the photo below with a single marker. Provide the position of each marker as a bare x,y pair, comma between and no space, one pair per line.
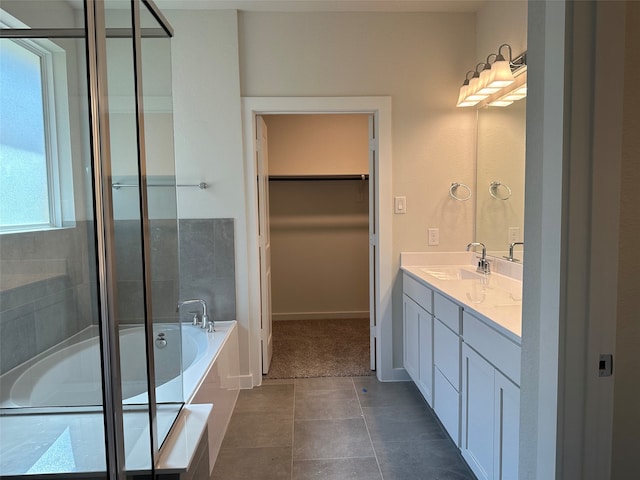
380,108
264,242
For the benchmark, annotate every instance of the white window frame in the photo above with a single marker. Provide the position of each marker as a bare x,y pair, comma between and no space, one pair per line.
55,99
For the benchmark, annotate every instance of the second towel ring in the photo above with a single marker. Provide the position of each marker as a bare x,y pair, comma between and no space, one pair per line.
454,188
493,190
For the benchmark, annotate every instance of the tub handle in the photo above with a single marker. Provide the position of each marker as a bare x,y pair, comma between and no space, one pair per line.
161,342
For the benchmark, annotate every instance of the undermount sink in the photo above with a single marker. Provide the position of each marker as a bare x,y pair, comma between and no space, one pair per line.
453,273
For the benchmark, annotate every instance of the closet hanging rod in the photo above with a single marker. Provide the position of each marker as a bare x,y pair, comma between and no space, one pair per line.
305,178
201,185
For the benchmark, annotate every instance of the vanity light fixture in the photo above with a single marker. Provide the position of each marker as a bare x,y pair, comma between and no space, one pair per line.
494,81
463,101
500,75
475,86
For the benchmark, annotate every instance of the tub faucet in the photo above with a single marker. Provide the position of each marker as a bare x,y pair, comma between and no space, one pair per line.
483,263
205,323
511,245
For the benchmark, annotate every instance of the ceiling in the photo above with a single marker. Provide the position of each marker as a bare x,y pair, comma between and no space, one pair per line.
327,5
454,6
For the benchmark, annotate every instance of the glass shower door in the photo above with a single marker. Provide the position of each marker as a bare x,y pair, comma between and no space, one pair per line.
144,228
80,266
51,396
163,218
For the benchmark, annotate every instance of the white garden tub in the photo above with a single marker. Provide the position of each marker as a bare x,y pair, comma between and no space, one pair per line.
69,375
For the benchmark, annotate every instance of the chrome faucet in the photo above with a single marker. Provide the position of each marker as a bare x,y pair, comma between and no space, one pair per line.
205,322
483,263
511,245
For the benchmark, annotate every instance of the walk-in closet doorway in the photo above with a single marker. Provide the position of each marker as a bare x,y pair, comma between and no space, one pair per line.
315,242
380,239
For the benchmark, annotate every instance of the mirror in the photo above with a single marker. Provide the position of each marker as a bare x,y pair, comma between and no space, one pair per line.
500,178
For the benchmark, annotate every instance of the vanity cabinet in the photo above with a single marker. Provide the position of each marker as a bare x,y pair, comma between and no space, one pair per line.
418,335
468,369
490,401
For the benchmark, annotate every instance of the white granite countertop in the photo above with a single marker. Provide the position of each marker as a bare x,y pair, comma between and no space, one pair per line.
495,299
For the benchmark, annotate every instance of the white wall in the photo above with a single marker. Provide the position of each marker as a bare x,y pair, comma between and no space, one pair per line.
501,22
318,144
626,421
208,132
543,237
350,54
319,249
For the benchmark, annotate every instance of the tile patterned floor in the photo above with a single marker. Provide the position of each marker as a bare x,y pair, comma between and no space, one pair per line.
336,428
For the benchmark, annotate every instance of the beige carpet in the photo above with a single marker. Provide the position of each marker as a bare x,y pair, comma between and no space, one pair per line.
320,348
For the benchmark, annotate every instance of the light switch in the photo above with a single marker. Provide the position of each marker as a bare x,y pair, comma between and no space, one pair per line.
433,236
514,234
400,204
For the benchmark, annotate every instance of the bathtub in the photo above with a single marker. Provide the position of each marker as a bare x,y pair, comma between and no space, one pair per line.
68,375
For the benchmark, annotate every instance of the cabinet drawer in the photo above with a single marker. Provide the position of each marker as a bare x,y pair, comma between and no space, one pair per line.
420,293
447,311
446,347
447,405
496,348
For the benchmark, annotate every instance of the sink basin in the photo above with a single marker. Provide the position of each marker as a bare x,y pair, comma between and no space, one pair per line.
453,273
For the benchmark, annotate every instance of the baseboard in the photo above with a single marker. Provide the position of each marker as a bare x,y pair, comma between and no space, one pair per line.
394,375
246,382
319,315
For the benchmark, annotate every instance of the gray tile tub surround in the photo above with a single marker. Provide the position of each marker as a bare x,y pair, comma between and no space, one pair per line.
38,315
207,265
163,240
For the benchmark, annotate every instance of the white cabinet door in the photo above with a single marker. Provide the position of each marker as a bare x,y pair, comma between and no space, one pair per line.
507,415
478,392
411,316
418,346
425,383
490,419
446,403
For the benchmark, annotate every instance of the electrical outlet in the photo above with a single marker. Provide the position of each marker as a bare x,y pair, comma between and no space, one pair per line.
433,236
400,204
514,234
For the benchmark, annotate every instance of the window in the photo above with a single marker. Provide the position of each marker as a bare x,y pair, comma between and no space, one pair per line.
34,135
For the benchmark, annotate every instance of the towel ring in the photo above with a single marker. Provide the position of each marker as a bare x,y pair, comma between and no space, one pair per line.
454,188
493,190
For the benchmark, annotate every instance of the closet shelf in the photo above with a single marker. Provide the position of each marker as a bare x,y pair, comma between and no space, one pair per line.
305,178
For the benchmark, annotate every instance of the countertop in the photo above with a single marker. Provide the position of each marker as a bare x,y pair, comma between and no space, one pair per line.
496,299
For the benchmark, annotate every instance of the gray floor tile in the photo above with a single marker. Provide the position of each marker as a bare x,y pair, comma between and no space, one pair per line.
402,423
278,381
327,404
378,394
267,398
258,429
253,463
324,383
330,438
428,460
338,469
325,439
